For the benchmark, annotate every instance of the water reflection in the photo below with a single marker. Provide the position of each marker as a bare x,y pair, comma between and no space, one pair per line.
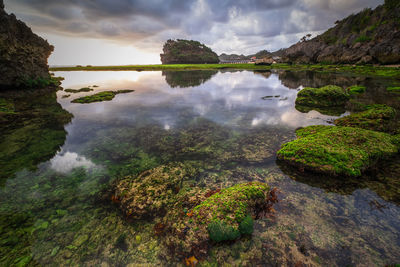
33,132
227,127
185,79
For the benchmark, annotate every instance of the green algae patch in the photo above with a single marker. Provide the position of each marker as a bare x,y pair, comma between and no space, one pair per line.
337,150
99,97
356,89
152,192
393,89
6,107
377,118
327,96
84,89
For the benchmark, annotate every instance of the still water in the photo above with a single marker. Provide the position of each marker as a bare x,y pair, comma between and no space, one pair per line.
59,160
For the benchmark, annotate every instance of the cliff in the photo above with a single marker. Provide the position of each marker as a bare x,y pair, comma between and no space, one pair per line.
187,52
369,37
23,54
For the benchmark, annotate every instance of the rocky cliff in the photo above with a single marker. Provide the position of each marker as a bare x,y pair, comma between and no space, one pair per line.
187,52
23,54
371,36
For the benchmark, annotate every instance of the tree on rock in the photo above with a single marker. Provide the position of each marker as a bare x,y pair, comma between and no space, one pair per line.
187,52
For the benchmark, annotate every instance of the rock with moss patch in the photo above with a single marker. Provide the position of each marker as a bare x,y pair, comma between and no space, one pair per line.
99,97
356,89
327,96
377,117
223,216
152,192
395,89
338,150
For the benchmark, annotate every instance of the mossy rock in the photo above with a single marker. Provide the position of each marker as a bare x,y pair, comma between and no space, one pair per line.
327,96
356,89
99,97
338,150
85,89
152,192
224,216
393,89
330,111
377,117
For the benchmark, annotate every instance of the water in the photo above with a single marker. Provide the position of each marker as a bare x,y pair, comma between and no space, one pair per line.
58,170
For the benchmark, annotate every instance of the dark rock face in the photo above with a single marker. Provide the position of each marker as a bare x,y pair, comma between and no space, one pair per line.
23,54
371,36
187,52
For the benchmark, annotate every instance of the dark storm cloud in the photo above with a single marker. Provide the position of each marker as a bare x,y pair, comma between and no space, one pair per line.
225,25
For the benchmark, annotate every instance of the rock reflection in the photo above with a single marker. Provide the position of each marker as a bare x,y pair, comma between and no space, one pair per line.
183,79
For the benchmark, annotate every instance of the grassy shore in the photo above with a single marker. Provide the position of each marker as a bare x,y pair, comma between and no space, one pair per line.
393,72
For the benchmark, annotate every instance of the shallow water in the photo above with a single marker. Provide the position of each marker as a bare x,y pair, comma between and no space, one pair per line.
229,124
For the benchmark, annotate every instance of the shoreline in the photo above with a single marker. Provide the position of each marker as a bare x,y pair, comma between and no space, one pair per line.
384,71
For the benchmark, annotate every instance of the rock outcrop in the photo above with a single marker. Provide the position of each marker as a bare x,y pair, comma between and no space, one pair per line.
23,54
371,36
187,52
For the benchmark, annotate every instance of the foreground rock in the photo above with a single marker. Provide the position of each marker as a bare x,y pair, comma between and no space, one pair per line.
23,57
338,150
376,117
187,52
371,36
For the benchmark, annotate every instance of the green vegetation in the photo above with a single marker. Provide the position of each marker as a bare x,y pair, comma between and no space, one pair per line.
394,89
377,118
85,89
187,51
227,214
35,83
324,68
356,89
6,107
362,39
99,97
327,96
337,150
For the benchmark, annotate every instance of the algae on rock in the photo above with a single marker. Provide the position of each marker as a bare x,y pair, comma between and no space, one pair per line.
377,118
327,96
338,150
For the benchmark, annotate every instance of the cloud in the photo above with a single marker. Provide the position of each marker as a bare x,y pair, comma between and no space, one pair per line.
227,26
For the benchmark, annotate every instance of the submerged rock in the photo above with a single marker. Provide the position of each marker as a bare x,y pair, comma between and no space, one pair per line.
152,192
377,118
23,54
327,96
99,97
338,150
187,52
222,215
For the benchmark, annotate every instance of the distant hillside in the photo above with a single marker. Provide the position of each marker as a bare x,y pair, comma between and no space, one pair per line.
187,52
371,36
261,54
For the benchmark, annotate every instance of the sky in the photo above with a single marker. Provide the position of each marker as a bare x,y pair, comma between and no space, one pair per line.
121,32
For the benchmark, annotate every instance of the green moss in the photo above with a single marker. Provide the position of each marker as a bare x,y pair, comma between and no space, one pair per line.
99,97
393,89
227,213
330,111
362,39
337,150
84,89
327,96
220,231
6,107
356,89
376,117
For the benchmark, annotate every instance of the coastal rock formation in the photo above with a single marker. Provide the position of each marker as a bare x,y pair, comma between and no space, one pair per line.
23,54
187,52
371,36
337,150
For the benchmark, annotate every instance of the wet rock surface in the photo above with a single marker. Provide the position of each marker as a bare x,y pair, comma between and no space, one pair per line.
23,54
